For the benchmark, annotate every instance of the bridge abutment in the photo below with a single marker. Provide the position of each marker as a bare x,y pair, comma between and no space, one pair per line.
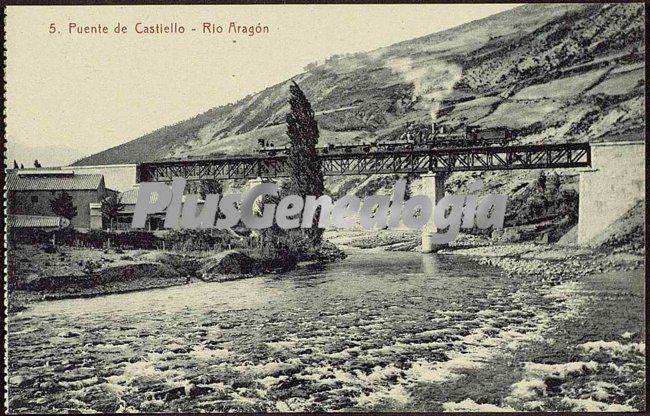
613,185
433,186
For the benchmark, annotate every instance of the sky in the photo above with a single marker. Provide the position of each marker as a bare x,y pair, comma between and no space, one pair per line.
70,94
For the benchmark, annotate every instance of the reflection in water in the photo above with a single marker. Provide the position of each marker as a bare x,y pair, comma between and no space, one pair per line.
430,265
366,333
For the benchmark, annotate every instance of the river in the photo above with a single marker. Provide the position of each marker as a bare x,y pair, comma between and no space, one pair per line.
376,331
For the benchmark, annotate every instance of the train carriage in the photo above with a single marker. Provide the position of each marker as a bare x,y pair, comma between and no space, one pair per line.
414,138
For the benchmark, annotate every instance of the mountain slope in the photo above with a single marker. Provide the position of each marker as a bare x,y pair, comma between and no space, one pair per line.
549,72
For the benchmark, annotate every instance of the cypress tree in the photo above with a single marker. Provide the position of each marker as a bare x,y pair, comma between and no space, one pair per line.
306,172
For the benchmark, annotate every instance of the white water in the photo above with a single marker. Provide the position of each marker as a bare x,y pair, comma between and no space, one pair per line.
370,332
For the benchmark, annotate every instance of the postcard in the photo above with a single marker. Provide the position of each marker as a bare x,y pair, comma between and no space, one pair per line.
318,208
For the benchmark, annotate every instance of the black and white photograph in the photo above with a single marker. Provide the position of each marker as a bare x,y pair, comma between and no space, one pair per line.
324,208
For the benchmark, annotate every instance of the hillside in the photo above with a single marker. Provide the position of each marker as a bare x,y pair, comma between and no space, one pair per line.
549,72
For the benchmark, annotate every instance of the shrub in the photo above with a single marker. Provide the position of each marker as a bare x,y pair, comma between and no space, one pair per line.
95,238
202,240
326,252
138,240
48,248
280,254
92,238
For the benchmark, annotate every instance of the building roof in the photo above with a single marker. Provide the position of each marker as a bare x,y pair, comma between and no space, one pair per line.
35,221
32,181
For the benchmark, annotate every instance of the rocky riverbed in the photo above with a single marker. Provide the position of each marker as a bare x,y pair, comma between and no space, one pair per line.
552,262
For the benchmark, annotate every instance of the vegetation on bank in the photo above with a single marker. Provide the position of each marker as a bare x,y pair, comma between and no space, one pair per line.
45,271
540,209
52,271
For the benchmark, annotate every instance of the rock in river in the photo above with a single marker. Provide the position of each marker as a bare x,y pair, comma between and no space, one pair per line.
225,265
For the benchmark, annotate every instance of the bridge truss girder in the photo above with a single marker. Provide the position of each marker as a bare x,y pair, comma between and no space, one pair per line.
549,156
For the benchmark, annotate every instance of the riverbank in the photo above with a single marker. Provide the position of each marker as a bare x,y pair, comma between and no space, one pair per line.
39,274
45,272
550,261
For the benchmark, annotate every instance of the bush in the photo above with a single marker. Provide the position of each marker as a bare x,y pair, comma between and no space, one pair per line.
95,238
138,240
326,252
186,265
282,254
127,239
542,200
48,248
92,238
29,236
202,240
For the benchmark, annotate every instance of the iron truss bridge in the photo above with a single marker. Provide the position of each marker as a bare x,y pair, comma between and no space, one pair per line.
567,155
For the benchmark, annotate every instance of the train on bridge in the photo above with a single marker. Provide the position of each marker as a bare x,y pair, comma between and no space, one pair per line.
413,137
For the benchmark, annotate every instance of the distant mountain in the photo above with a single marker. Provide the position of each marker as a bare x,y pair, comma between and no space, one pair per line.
46,155
554,72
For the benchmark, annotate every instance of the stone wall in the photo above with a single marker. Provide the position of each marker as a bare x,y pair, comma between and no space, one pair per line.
611,187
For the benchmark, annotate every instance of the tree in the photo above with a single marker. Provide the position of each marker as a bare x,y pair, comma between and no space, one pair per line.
540,206
553,187
310,66
15,164
568,204
540,182
37,164
306,172
209,186
553,183
62,206
111,207
21,166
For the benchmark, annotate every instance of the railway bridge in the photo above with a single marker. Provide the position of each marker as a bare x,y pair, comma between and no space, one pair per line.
432,164
423,161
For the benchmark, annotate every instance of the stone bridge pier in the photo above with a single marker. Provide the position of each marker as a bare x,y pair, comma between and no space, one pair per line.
433,186
611,187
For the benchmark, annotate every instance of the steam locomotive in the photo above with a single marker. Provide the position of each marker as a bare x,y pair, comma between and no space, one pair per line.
414,137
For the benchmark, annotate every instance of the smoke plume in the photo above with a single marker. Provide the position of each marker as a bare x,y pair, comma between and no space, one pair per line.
432,81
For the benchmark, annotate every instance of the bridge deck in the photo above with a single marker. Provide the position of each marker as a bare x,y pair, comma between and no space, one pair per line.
567,155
